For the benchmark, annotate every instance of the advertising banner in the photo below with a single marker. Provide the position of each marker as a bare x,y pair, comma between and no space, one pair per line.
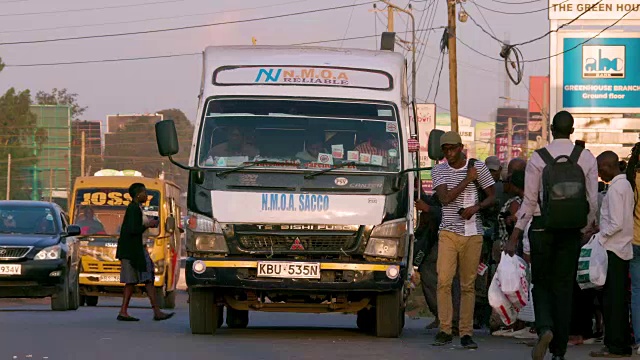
426,122
601,75
484,139
594,9
519,127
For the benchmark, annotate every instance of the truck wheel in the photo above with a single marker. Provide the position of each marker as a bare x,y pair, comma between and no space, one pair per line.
220,310
366,320
170,300
389,314
237,319
92,300
74,293
60,300
203,314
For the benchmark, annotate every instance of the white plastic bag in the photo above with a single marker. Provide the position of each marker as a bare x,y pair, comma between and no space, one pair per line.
500,303
592,264
512,273
527,313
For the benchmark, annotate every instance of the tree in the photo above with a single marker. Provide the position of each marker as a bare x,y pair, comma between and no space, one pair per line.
20,137
134,147
61,97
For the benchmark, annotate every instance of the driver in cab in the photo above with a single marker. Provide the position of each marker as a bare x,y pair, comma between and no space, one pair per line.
88,222
8,223
236,145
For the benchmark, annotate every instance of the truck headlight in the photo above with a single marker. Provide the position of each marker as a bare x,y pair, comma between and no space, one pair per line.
205,234
211,243
387,240
49,253
158,267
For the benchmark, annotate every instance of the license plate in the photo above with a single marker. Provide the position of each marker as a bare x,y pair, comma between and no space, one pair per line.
110,278
10,269
289,270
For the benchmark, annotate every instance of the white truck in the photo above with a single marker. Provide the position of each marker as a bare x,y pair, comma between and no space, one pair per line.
301,186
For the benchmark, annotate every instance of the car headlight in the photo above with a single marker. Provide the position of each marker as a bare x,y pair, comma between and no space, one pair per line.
211,243
50,253
387,240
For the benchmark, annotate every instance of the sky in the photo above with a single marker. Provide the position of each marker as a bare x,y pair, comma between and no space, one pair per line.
150,85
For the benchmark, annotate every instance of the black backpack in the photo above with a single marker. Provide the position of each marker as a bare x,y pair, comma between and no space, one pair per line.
564,203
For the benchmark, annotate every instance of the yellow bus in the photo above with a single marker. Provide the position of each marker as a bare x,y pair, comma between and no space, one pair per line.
98,205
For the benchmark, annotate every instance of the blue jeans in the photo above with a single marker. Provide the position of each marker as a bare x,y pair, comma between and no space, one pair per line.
634,269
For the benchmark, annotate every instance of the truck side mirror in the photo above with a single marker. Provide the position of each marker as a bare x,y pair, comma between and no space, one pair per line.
170,224
435,151
167,138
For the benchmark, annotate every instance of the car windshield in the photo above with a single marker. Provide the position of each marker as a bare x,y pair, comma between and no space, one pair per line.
299,134
100,211
27,220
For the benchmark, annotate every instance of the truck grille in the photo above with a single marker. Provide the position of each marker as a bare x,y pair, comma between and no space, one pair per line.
297,244
14,252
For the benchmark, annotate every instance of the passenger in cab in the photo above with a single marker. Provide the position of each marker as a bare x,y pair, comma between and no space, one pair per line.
314,145
376,143
8,223
236,145
88,223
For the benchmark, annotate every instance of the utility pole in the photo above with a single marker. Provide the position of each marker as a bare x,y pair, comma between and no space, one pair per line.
509,139
453,65
545,117
8,176
50,184
390,7
82,154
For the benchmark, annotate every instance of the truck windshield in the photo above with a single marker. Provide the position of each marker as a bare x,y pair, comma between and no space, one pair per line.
100,211
300,134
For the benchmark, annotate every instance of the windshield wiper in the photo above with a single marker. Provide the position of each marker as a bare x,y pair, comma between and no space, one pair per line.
339,166
244,166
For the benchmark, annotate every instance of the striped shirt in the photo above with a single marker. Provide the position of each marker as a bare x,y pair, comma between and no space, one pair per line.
443,174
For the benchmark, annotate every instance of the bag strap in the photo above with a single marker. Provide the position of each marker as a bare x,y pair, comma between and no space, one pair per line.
546,156
575,154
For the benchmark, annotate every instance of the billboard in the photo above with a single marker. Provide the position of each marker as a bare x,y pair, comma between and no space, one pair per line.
538,107
601,75
594,9
426,121
519,128
484,139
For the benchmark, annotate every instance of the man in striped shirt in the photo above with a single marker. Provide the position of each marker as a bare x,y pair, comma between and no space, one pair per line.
457,186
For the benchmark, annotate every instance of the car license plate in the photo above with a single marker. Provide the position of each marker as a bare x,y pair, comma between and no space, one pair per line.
10,269
289,270
110,278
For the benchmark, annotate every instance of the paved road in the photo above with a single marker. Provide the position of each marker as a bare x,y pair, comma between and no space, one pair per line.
29,330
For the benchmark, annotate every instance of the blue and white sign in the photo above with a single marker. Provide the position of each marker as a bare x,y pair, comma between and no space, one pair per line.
602,75
297,208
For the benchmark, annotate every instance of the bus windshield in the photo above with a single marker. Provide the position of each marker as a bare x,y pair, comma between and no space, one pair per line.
100,211
300,134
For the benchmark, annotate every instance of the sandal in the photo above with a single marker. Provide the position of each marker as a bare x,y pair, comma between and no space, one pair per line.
163,317
126,318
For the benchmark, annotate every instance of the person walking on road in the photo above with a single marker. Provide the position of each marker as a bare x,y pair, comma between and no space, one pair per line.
632,169
616,235
137,266
557,229
457,186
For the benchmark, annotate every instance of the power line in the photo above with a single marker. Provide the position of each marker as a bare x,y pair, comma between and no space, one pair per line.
184,54
149,19
186,27
91,9
348,23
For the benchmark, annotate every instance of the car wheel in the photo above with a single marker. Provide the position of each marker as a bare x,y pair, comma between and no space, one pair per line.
74,293
92,300
60,300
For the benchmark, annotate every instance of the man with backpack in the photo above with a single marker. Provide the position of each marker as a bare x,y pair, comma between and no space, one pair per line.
458,183
561,194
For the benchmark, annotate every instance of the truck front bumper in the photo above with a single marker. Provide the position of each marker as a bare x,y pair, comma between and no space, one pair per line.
335,276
